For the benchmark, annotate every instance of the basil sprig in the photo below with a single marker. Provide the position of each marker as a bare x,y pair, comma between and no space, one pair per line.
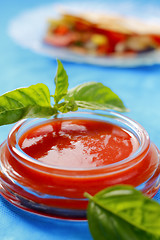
35,101
123,213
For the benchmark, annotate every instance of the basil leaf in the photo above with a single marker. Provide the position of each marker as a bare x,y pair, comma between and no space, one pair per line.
61,82
97,95
33,101
96,106
123,213
68,106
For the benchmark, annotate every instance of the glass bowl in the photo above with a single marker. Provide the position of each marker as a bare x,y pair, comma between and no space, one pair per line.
59,191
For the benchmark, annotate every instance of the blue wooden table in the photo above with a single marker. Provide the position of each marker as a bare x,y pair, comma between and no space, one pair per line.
138,87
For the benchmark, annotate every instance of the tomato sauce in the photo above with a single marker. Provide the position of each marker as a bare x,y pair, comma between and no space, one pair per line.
60,159
78,143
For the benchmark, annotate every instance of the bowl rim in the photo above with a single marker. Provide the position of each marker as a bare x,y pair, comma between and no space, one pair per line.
138,155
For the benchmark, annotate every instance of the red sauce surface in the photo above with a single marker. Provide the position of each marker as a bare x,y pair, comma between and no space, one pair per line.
78,143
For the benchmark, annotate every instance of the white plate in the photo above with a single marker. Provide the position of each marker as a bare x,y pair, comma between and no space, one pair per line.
28,30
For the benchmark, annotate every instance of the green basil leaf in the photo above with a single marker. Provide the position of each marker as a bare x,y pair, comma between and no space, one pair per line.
61,82
68,106
96,94
33,101
96,106
123,213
